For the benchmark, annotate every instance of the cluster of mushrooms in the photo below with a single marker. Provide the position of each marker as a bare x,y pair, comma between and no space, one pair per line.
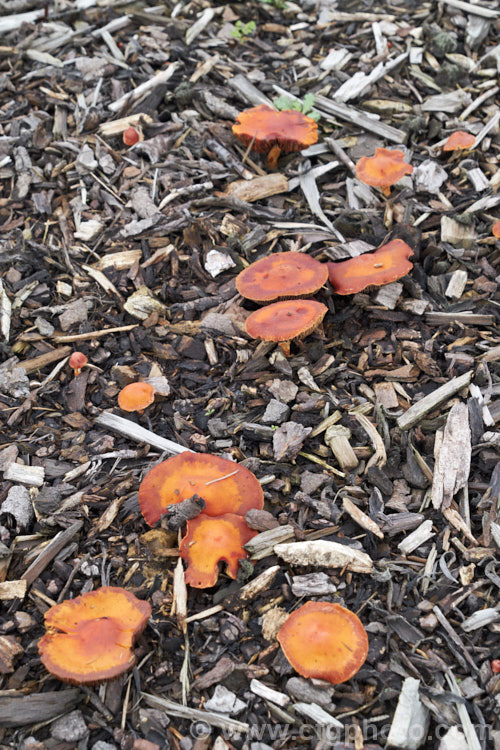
90,638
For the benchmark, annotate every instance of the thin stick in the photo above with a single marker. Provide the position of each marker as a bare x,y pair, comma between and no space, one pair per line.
219,479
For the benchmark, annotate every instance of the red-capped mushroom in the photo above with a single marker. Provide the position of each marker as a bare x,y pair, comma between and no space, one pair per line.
270,132
284,321
325,641
459,141
226,487
208,542
90,638
281,275
383,169
496,229
387,264
77,361
136,397
131,136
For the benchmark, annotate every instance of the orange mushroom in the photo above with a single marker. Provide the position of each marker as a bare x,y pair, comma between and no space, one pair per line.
459,140
131,136
136,397
226,487
90,638
270,132
496,229
281,275
77,361
284,321
324,640
383,169
388,263
208,542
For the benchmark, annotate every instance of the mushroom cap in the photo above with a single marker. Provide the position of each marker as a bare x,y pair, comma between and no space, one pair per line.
388,263
324,640
289,129
131,136
281,275
383,169
136,396
495,229
283,321
90,638
208,542
459,140
182,476
77,360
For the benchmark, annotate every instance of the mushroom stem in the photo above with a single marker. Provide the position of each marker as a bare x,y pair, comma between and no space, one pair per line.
77,371
386,191
285,348
273,156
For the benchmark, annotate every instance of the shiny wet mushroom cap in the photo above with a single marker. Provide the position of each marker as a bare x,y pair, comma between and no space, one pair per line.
77,361
459,141
90,638
270,132
225,486
285,321
387,264
208,542
281,275
383,169
325,641
136,397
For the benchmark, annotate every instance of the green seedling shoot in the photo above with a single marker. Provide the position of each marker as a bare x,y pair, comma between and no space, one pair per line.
305,106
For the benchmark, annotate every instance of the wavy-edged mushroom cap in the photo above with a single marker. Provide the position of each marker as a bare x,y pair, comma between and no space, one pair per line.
388,263
208,542
324,640
225,486
136,397
495,229
383,169
281,275
90,638
287,320
459,140
271,131
77,361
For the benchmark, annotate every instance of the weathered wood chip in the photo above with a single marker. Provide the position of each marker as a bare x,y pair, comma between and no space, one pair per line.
325,554
452,457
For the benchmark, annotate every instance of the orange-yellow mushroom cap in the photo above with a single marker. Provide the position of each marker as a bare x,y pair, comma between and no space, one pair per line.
270,132
281,275
459,140
324,640
225,486
383,169
208,542
287,320
496,229
387,264
90,638
77,361
136,397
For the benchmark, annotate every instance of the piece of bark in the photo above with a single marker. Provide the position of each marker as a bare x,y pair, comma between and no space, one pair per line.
411,719
325,554
361,518
20,710
418,411
452,457
258,188
178,514
337,438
